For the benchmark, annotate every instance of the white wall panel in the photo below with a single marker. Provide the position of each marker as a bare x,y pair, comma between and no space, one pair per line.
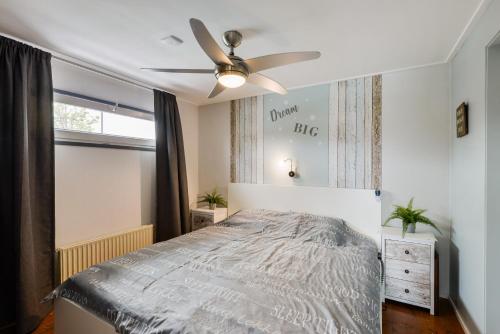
416,149
468,167
101,191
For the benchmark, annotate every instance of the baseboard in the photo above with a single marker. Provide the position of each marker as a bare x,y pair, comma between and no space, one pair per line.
459,317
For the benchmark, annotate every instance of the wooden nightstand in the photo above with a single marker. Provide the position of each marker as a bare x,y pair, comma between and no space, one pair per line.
409,267
202,217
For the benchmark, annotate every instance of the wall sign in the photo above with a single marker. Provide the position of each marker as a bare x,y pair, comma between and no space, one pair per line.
329,135
462,120
296,128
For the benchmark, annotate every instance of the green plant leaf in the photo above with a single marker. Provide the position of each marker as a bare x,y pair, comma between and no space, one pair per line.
405,228
420,211
391,217
410,204
427,221
213,197
409,216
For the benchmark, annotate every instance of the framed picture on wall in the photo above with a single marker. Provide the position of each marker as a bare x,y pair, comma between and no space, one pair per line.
462,120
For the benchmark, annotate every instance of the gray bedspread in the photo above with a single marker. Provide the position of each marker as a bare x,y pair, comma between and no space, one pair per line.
258,272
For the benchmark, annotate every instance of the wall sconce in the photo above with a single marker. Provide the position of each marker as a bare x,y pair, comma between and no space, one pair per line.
291,173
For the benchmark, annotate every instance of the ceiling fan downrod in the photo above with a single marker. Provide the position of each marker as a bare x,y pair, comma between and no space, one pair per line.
232,39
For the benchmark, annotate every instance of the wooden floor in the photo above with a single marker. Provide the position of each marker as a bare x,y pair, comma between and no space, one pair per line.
47,325
397,319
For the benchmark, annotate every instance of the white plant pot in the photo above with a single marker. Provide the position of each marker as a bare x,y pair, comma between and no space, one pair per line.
411,228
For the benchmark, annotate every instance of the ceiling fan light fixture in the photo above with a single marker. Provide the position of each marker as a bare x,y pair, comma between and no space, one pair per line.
231,79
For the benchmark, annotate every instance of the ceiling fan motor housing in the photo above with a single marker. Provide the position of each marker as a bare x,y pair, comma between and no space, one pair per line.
232,38
238,67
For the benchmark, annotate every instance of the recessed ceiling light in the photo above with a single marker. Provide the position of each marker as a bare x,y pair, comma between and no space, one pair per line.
172,40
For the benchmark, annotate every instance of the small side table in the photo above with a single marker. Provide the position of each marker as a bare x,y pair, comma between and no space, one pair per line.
409,267
202,217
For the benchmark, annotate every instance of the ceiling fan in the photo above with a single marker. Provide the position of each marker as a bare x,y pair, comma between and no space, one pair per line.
232,71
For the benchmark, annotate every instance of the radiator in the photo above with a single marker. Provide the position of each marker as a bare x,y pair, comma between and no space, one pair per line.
80,256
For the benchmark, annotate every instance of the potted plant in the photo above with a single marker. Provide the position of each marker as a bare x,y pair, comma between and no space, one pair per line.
410,217
213,199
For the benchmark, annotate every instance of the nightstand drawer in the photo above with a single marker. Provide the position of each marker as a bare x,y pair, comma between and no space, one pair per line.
201,220
409,291
408,271
203,217
407,251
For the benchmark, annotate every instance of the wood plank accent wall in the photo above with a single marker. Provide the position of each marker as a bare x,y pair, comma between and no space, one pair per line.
355,137
244,140
377,132
355,133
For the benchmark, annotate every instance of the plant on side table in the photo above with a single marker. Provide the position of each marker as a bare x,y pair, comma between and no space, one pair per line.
213,199
410,217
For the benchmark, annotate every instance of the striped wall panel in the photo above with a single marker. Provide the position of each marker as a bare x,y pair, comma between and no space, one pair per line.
355,133
377,132
355,152
245,140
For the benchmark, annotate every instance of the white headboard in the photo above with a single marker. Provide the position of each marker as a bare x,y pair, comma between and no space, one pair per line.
360,208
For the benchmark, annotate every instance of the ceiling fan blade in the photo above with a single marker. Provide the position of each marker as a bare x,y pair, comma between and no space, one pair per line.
217,90
178,70
279,59
208,44
265,82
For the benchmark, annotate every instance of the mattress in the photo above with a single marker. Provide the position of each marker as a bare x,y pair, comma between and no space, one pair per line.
259,271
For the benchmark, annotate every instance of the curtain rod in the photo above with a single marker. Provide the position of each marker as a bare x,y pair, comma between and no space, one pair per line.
106,73
91,67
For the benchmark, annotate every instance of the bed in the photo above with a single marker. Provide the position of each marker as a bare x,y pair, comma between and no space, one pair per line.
260,271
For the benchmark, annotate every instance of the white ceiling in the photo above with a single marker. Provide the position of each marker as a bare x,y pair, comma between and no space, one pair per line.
355,37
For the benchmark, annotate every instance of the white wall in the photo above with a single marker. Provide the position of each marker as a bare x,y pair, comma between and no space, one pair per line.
215,155
101,191
468,166
415,147
74,79
190,121
493,190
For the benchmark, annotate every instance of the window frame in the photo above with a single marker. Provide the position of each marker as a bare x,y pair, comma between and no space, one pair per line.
88,139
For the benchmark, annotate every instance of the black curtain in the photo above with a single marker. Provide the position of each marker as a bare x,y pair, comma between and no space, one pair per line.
26,185
172,208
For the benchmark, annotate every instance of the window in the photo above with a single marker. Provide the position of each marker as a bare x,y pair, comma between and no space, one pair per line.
80,121
74,118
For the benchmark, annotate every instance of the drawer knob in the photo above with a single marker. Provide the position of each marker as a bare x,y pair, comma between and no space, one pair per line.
407,252
407,291
407,271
